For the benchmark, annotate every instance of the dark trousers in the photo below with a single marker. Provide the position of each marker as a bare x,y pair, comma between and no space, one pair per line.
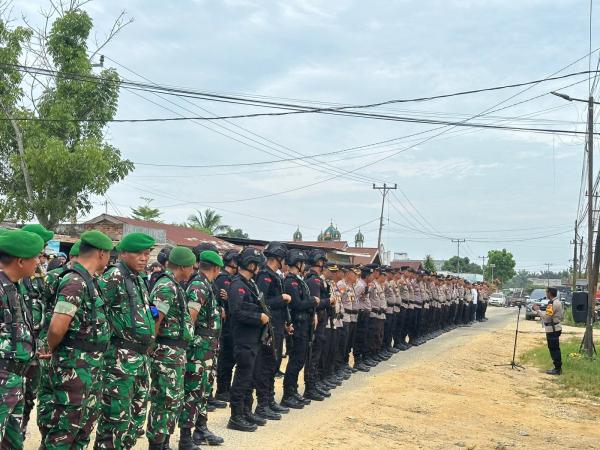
376,327
388,329
398,325
554,346
225,362
350,331
361,341
416,325
296,353
241,388
264,374
312,375
342,343
473,311
479,313
328,355
485,305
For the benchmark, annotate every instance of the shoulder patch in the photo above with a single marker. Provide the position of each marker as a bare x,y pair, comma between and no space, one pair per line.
241,290
268,279
227,282
294,283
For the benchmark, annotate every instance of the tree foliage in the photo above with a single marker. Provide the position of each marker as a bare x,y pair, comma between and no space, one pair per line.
208,221
146,212
428,264
504,265
466,266
65,153
235,233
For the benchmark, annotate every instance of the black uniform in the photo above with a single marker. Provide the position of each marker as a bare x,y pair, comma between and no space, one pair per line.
317,289
225,361
302,308
246,328
271,285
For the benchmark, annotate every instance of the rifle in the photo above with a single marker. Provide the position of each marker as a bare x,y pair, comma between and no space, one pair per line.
267,336
311,331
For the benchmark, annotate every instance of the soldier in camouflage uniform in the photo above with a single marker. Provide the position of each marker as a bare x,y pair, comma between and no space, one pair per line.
174,331
18,259
126,377
78,336
32,289
44,404
199,368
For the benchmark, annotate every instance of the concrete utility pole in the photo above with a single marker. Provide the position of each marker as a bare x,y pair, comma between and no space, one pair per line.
548,273
483,258
574,242
384,192
492,267
458,242
588,338
580,255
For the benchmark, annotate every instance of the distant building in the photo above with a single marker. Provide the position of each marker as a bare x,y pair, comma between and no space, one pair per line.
545,282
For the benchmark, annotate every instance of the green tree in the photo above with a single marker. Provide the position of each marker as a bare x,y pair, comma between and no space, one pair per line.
428,264
504,265
235,233
53,153
146,212
466,266
208,221
520,280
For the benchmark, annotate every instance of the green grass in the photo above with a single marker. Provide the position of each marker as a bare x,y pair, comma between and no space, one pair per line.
568,320
580,375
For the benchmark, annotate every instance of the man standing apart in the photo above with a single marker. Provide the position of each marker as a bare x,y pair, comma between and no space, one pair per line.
126,376
551,319
174,331
19,252
78,337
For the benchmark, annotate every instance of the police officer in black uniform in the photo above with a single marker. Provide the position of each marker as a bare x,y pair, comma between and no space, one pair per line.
302,310
247,323
271,284
225,360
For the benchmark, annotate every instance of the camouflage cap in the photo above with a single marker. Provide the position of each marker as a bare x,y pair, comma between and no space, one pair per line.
21,244
97,239
136,242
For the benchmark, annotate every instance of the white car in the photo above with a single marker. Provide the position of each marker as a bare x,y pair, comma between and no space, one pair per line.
497,299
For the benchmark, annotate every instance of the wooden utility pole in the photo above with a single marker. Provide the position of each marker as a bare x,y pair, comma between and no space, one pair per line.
458,242
384,192
574,242
483,258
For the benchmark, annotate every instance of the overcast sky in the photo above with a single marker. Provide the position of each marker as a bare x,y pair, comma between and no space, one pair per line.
480,185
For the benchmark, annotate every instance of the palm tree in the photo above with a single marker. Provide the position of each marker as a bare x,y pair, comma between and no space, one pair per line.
208,221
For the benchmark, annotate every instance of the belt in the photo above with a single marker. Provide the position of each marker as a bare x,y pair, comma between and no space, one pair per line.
83,345
13,366
351,311
170,342
129,345
206,332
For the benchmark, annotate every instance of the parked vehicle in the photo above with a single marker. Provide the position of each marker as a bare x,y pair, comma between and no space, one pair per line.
537,297
497,299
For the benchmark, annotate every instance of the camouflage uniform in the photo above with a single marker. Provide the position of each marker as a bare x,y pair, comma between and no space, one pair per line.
17,349
44,405
126,378
200,367
76,366
32,290
168,359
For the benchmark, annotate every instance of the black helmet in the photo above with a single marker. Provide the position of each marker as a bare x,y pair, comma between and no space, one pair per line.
230,256
275,250
203,246
163,255
295,256
314,256
250,255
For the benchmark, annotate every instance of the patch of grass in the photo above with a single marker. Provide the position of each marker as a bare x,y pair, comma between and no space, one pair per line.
580,374
568,320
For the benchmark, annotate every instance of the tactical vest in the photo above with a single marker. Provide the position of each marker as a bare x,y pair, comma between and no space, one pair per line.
17,319
199,330
181,305
80,340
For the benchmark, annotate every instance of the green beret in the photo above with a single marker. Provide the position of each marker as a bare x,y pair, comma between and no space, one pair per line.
136,242
21,244
40,230
75,249
182,256
97,239
208,256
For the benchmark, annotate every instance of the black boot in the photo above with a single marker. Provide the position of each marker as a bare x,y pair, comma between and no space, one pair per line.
153,446
212,401
253,418
185,440
202,435
311,393
289,400
264,412
222,396
301,399
238,421
166,445
274,406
